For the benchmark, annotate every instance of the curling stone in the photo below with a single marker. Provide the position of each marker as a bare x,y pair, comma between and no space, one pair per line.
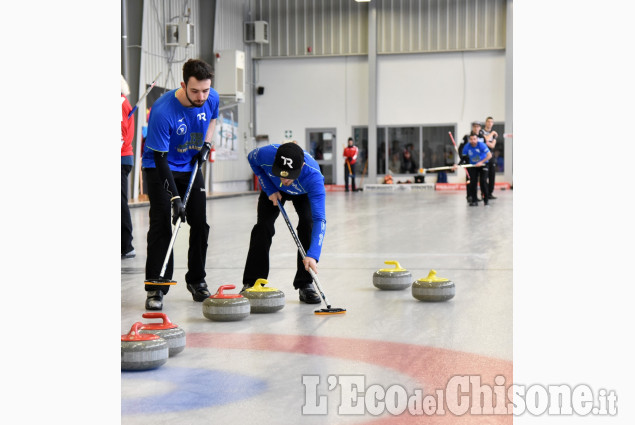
392,279
433,288
167,330
222,307
142,351
264,300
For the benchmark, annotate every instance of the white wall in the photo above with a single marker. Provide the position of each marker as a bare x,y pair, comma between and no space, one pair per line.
434,88
441,88
303,93
234,175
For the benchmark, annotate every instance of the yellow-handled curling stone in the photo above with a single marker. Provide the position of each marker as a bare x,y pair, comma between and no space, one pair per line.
142,351
433,288
222,307
264,299
167,330
396,278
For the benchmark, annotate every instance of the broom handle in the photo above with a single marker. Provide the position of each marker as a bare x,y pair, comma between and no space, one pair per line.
144,95
302,252
175,230
467,175
446,168
177,225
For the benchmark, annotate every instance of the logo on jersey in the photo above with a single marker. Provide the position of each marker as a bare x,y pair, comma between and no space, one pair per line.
181,130
201,116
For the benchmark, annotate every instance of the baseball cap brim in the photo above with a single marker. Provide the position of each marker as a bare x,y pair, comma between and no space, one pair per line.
285,174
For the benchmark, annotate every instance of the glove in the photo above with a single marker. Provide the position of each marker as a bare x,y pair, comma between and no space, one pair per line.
202,155
178,210
350,159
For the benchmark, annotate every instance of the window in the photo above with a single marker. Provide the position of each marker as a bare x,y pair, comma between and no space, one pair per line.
360,137
404,150
437,147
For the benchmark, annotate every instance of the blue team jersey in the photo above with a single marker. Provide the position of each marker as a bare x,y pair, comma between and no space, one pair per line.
178,130
310,182
477,153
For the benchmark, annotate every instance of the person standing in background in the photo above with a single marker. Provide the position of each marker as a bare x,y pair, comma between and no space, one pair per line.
489,136
127,161
476,129
350,153
476,153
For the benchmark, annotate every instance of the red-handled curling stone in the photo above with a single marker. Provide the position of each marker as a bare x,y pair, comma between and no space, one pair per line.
264,299
142,351
222,307
167,330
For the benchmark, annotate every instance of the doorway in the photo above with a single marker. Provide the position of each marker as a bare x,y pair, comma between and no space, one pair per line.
322,143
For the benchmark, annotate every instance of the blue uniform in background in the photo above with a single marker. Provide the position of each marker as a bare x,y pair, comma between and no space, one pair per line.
477,153
477,174
308,195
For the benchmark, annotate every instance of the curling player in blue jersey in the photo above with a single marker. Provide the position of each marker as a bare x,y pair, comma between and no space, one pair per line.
287,173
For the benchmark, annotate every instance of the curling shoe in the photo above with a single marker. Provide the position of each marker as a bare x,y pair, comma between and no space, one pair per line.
309,296
129,254
199,291
154,300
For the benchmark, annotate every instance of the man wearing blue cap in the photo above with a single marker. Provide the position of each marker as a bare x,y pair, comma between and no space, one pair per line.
287,173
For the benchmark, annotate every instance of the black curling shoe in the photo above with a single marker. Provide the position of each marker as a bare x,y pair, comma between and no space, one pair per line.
199,291
309,296
154,300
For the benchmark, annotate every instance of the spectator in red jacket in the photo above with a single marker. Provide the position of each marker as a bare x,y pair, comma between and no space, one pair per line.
350,153
127,161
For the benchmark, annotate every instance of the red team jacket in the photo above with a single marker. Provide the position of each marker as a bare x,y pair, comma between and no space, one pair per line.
351,152
127,127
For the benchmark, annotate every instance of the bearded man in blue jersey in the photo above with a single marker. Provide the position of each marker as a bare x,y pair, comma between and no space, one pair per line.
287,173
180,131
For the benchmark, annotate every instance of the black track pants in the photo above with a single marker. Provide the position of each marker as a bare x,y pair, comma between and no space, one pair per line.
160,230
126,221
257,264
